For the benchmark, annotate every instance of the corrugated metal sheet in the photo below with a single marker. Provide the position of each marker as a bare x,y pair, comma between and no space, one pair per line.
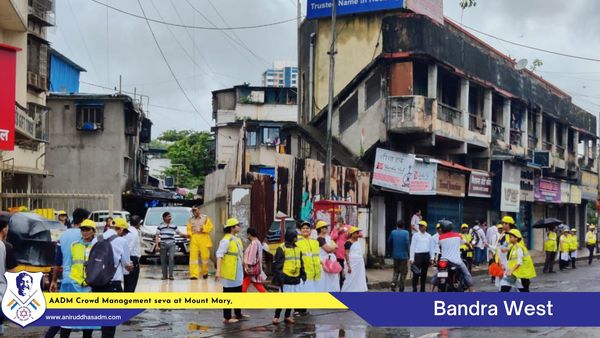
63,76
262,197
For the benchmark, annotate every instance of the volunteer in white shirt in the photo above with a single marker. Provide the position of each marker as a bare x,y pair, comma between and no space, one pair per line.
132,236
421,255
414,222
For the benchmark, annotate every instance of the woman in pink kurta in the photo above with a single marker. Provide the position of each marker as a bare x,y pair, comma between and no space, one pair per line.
339,234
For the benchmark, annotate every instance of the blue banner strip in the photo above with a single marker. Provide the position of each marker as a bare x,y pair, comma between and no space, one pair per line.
322,8
89,317
475,309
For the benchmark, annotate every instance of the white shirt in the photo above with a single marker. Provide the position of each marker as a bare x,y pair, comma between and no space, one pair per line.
482,239
450,247
436,243
414,223
492,237
120,253
133,240
421,243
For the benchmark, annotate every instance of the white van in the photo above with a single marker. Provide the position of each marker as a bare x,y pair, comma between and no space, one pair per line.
100,216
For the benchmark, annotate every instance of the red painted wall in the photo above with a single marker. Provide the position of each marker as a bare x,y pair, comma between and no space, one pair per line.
8,76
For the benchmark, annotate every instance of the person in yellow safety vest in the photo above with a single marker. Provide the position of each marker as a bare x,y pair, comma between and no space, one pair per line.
199,228
574,247
312,263
466,250
520,265
80,251
590,241
550,246
288,270
229,266
564,247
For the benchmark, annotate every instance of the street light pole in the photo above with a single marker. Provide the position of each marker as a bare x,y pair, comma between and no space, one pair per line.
331,53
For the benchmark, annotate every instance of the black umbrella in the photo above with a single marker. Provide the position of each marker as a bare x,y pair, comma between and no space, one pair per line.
32,238
547,223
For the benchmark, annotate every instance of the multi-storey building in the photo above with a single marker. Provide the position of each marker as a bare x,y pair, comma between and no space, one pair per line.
23,26
283,74
410,84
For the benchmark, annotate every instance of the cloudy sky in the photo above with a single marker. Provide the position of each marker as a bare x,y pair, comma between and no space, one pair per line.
108,44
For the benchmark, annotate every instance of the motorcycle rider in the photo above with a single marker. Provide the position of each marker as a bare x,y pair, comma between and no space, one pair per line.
450,243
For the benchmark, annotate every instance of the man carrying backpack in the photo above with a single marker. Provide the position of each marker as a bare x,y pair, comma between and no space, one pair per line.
108,259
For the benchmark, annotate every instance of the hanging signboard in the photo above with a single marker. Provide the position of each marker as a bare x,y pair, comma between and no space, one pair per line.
589,186
8,59
322,8
527,176
450,183
565,192
480,184
510,193
575,194
547,190
423,179
393,170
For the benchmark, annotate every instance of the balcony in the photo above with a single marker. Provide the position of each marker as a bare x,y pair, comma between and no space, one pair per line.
42,11
477,124
515,137
449,114
37,81
547,146
24,124
497,133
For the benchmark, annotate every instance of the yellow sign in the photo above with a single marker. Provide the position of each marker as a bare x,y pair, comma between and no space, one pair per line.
192,300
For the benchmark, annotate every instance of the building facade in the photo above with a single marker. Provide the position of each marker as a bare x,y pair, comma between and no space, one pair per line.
23,26
99,144
283,74
64,74
491,139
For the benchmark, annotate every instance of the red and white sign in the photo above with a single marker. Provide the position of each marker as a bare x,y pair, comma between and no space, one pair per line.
8,76
393,170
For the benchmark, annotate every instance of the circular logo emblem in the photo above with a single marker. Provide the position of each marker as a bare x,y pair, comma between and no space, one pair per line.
23,313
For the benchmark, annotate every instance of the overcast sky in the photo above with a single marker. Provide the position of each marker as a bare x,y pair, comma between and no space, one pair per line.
108,44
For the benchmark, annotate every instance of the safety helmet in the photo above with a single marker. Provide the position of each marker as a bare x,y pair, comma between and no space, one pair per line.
88,223
573,230
515,232
231,222
120,223
447,226
321,224
500,226
423,223
303,223
437,226
62,212
508,219
353,230
464,226
592,226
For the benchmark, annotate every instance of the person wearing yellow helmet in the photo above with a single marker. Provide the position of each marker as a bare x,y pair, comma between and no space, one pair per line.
466,249
199,228
421,255
591,238
63,218
574,241
330,279
230,270
356,274
564,245
520,269
550,247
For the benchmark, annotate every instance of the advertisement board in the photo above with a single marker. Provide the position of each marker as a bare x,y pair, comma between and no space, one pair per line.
393,170
527,177
423,179
565,192
575,194
8,59
322,8
450,183
547,190
510,193
480,184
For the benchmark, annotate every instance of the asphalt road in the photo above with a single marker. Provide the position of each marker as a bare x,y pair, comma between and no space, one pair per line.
329,324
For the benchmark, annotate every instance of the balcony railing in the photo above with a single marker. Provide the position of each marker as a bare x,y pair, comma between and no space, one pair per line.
547,145
402,109
449,114
515,137
23,123
497,132
477,123
43,11
560,152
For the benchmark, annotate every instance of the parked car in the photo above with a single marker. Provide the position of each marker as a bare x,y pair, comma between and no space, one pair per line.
153,218
100,216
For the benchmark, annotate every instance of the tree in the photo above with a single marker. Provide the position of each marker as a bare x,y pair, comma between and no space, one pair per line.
537,63
464,4
190,155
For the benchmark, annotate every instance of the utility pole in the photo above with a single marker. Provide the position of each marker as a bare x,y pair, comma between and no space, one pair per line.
331,53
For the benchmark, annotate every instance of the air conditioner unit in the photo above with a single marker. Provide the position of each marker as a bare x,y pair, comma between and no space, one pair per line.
542,158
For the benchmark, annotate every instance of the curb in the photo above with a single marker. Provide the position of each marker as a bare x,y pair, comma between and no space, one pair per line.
378,285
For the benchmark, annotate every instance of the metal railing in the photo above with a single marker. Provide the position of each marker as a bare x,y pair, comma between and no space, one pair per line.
23,123
532,142
56,200
547,145
43,10
477,123
560,152
515,137
497,132
449,114
402,108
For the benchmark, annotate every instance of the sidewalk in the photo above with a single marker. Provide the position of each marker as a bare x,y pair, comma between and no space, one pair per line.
381,278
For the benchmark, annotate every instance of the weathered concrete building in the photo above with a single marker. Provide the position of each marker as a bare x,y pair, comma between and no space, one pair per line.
98,144
407,83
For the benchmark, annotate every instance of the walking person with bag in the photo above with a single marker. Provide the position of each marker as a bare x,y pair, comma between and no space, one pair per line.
330,274
288,271
421,256
108,260
230,271
253,258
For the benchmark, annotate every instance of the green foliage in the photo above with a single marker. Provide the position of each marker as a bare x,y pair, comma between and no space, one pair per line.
158,144
537,63
190,156
464,4
592,215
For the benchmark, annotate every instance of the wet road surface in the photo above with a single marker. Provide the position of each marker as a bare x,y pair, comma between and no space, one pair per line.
322,323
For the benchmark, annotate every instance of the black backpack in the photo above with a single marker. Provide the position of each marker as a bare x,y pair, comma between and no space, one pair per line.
100,267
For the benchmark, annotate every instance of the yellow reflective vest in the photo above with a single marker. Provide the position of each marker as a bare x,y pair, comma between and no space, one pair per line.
80,252
229,263
590,238
564,245
310,257
550,244
574,240
292,263
525,270
464,247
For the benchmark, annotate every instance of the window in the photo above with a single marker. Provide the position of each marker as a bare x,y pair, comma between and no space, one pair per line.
270,135
348,113
90,118
251,138
373,90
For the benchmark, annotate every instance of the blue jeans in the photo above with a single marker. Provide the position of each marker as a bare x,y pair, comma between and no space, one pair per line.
480,255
